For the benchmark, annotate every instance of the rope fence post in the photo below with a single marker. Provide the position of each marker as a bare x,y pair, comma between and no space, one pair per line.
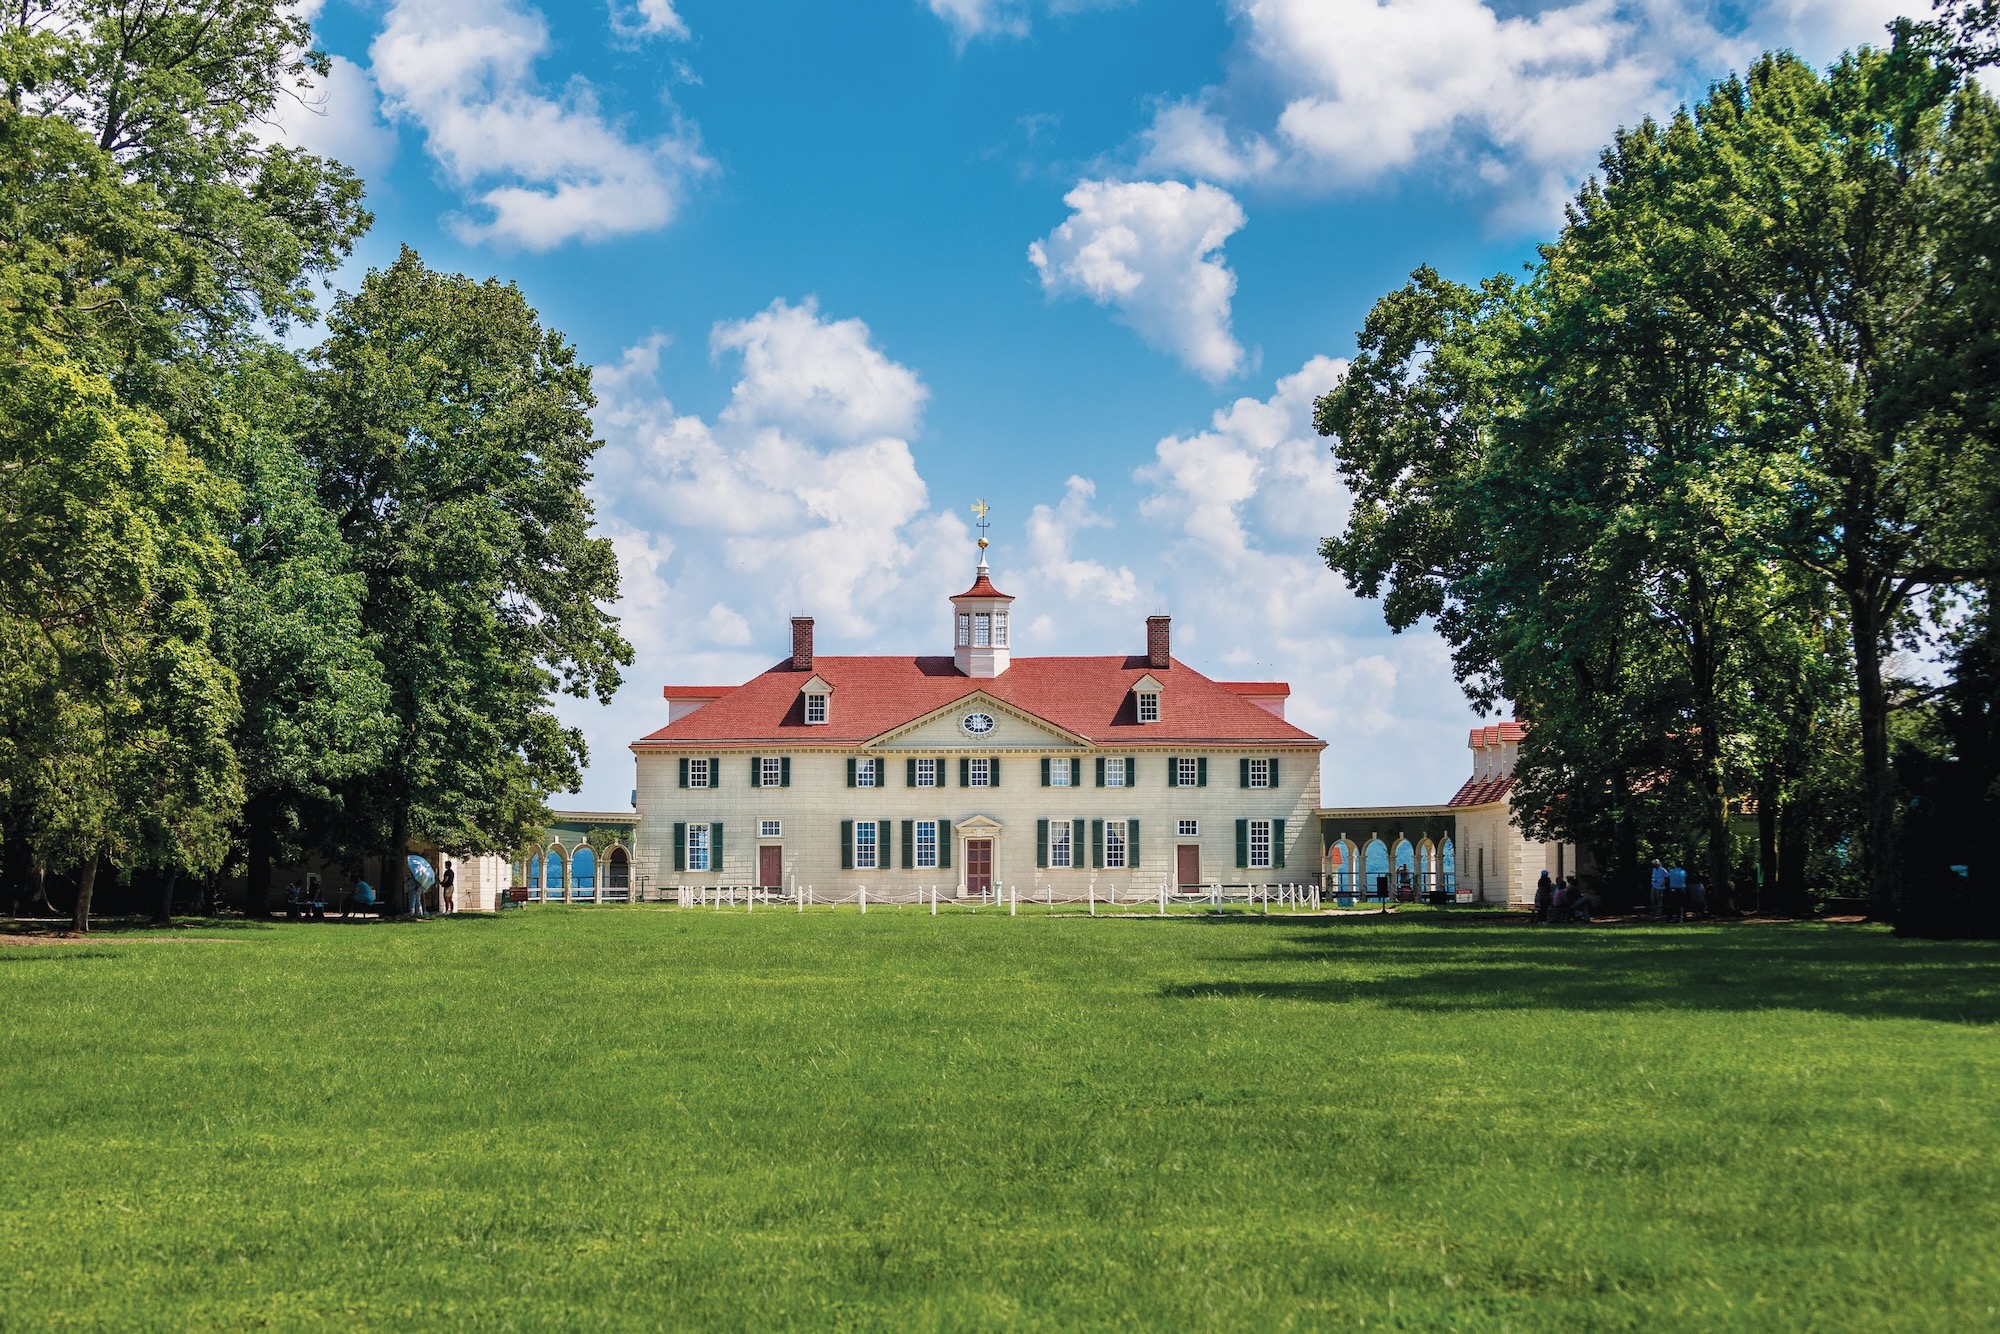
1013,900
864,900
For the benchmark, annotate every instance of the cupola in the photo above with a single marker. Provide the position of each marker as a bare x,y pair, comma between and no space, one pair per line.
979,616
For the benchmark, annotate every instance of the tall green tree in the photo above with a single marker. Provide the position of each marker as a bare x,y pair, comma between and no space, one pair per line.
453,445
115,712
315,707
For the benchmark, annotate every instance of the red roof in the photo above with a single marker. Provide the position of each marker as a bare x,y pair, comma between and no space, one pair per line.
1260,688
1480,791
695,692
1091,697
982,587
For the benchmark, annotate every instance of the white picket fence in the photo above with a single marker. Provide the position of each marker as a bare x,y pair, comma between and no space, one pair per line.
1281,896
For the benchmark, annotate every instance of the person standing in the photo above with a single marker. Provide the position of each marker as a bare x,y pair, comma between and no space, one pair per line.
447,888
1659,889
1677,889
1545,892
416,900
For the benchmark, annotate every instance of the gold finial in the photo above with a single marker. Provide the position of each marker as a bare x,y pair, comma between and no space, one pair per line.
981,508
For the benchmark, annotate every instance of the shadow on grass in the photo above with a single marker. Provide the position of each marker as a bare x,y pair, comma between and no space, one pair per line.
56,956
1444,965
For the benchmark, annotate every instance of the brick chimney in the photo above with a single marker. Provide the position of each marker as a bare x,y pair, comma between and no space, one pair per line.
802,643
1158,640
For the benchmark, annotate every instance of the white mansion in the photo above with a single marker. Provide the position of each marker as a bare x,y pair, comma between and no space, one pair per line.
976,770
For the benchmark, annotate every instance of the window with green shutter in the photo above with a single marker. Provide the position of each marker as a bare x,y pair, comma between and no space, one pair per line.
1132,844
1042,839
715,847
1100,771
1277,842
1173,771
850,770
909,845
680,843
1045,770
1242,843
964,772
1097,843
847,845
684,771
1243,773
944,844
785,772
909,773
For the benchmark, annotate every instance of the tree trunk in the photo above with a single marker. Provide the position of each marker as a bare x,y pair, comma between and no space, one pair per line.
262,845
1709,778
1630,875
1792,896
394,868
86,881
17,859
1767,839
164,914
1878,797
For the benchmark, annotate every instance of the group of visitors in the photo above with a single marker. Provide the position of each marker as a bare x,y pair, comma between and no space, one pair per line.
1674,896
308,902
1560,900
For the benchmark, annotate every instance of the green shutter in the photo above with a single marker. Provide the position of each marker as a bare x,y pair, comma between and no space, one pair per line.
1274,771
1042,840
850,771
1201,772
1076,837
944,845
1045,771
1097,843
909,773
1243,773
847,845
1100,771
909,844
993,772
684,771
681,843
1076,773
1131,771
1242,842
1173,771
785,772
1132,844
715,771
756,771
964,772
715,847
1277,842
885,839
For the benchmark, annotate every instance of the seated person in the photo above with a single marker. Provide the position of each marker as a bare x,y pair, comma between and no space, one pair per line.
362,897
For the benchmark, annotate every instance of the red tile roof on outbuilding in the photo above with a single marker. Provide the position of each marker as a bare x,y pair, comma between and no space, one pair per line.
1496,733
1091,697
1480,791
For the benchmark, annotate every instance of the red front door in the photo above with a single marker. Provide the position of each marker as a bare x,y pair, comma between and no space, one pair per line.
771,866
978,865
1187,860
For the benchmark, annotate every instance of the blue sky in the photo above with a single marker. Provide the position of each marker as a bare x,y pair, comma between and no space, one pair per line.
844,268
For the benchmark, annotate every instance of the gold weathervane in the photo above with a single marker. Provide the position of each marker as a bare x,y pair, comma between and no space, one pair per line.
982,509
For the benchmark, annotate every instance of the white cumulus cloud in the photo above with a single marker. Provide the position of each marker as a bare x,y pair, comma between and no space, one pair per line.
537,169
648,18
801,495
968,19
1329,94
1052,531
1152,252
338,116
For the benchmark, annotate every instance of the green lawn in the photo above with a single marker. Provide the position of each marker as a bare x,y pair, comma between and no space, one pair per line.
631,1118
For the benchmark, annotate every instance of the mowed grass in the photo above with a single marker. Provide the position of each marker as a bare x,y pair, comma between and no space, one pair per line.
637,1119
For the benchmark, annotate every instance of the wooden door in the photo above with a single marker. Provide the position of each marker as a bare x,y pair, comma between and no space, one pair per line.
771,866
1187,861
978,865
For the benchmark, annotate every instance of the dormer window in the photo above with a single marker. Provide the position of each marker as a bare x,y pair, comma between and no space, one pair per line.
964,629
816,693
1146,699
999,629
982,630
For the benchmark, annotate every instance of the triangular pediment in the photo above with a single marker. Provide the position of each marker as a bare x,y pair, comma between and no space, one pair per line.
944,729
817,685
1148,683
